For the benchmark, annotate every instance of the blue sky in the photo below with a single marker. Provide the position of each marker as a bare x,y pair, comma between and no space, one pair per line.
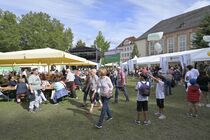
117,19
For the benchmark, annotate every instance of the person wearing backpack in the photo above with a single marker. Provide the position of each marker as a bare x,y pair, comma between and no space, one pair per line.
160,96
142,88
104,87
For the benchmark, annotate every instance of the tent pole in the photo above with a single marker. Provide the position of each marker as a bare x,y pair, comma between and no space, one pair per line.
48,68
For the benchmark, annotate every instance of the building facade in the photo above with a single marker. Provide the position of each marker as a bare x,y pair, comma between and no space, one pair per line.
179,32
126,48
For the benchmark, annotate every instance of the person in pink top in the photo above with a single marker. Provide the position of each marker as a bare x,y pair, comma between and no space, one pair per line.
121,85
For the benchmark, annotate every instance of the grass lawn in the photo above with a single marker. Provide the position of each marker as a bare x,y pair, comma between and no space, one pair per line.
68,121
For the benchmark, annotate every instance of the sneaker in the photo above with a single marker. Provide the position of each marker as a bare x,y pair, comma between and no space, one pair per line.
137,122
195,115
37,109
31,111
46,102
157,114
98,126
147,122
207,105
109,119
90,111
189,115
200,104
162,117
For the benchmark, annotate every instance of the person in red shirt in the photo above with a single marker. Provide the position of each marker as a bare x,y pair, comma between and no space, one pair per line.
193,97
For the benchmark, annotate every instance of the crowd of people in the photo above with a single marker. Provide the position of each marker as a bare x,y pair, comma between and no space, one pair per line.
99,85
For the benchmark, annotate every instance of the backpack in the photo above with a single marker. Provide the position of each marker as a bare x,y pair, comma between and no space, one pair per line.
144,90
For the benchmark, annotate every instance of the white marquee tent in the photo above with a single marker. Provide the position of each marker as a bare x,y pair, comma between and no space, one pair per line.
196,55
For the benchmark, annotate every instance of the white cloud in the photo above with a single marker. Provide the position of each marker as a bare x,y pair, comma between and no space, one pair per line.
197,5
74,14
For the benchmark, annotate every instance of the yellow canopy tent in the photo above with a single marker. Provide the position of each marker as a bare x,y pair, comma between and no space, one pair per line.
86,63
39,56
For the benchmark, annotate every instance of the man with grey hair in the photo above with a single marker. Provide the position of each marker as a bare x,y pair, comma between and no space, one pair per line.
35,87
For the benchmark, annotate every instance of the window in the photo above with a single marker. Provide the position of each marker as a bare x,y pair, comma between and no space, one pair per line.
192,38
170,44
182,42
151,48
162,45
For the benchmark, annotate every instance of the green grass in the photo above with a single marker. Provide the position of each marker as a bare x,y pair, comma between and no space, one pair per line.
68,121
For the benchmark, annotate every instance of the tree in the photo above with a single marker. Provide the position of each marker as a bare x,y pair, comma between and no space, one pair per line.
135,51
80,43
68,38
9,33
38,30
100,43
204,29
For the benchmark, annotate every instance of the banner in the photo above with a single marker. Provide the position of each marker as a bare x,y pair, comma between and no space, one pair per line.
112,58
185,60
164,64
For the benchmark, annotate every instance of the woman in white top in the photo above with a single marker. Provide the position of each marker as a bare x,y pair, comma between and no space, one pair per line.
105,87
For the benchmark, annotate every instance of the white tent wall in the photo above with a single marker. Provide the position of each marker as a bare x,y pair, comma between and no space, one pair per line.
196,55
201,55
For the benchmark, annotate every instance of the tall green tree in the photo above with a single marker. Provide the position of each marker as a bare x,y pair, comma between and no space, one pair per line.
204,29
135,51
9,33
80,43
101,43
38,30
68,38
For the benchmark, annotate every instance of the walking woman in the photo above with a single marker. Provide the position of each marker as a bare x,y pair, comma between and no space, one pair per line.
105,88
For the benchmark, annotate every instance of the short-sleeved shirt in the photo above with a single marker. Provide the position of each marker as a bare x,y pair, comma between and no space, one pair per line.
35,82
58,86
139,97
160,90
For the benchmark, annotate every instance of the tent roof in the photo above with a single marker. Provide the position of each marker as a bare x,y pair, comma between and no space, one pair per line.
39,56
196,55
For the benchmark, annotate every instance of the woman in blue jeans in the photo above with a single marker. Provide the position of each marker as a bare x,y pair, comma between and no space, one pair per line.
104,87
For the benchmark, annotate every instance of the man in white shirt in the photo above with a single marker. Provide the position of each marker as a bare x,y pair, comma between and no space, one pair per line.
70,82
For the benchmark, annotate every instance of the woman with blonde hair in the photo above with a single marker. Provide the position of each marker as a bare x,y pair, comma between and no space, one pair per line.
105,88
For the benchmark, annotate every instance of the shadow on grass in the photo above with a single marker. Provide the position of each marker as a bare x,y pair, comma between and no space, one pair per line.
24,105
75,103
83,113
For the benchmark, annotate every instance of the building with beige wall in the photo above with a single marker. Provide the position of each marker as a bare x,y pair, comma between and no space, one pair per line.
179,31
142,47
126,48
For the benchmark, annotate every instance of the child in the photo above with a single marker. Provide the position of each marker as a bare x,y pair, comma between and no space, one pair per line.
21,89
142,101
160,96
193,97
